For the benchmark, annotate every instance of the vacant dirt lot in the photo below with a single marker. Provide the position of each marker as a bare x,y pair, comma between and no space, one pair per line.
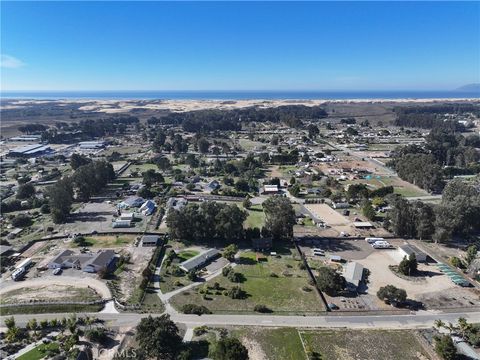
129,276
51,292
50,284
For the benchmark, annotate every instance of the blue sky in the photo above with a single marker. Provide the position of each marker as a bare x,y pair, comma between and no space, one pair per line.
239,46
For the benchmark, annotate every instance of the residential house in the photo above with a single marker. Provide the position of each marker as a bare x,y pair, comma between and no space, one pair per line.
199,260
148,207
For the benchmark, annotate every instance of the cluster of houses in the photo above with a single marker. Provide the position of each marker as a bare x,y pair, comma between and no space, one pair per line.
126,219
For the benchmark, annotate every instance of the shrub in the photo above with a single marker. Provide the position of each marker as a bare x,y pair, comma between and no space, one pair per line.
200,330
273,275
392,295
97,335
235,277
176,271
227,270
195,309
21,220
455,261
236,293
261,308
306,288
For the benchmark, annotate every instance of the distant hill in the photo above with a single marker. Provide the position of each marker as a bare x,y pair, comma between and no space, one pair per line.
469,87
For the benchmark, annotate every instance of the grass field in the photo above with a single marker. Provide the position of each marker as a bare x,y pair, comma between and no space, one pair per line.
282,343
256,217
364,344
106,241
187,254
291,344
281,293
39,352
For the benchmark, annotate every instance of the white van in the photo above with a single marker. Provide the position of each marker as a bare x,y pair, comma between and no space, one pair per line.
372,240
381,245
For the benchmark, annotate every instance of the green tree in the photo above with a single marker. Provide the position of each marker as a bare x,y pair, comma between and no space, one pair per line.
151,177
229,348
329,281
230,251
247,203
25,191
313,131
280,217
471,254
60,197
392,295
368,211
158,337
77,160
445,347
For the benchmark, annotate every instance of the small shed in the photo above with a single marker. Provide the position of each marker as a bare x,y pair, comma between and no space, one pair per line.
150,240
270,189
363,225
407,250
353,274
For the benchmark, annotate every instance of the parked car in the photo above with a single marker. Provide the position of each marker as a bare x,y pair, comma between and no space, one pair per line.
57,271
333,306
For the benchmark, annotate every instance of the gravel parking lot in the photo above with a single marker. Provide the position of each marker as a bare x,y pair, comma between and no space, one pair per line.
96,216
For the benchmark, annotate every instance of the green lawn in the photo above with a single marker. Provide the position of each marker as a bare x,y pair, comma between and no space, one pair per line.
39,352
282,293
187,254
256,217
364,344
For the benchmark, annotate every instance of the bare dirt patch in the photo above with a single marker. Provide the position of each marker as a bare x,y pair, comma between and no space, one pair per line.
130,276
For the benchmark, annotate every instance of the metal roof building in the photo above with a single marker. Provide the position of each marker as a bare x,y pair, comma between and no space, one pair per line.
199,260
353,274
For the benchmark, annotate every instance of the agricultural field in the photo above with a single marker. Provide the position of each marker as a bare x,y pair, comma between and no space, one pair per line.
276,282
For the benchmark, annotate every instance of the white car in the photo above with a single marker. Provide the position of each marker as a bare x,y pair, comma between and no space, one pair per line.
57,271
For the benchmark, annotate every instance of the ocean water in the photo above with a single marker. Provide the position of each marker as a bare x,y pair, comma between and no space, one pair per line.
239,95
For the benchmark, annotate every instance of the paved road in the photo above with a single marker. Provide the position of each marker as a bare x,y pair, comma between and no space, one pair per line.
425,197
423,319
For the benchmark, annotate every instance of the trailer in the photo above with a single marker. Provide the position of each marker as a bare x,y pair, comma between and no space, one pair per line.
24,264
372,240
18,273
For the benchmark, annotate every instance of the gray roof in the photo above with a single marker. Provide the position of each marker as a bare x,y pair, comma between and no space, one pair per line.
102,258
150,238
412,249
4,249
199,260
353,273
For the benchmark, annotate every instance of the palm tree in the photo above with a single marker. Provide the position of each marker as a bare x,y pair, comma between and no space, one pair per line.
451,328
438,324
463,326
